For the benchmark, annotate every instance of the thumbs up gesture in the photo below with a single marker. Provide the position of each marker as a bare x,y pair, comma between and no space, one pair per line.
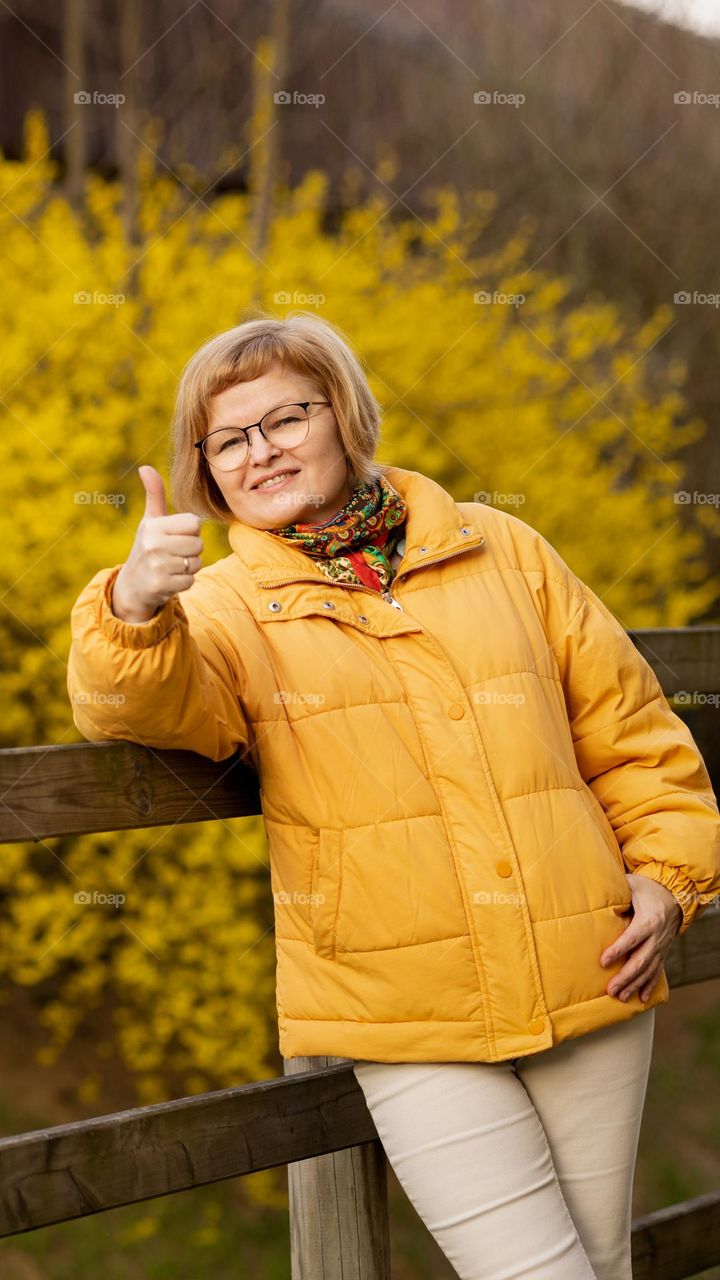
164,558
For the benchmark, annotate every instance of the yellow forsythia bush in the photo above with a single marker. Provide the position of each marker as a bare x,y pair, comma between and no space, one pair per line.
547,405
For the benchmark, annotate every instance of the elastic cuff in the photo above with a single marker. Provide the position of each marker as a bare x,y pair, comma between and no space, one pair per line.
134,635
680,886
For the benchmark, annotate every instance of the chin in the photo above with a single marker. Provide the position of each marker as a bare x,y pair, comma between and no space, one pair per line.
287,513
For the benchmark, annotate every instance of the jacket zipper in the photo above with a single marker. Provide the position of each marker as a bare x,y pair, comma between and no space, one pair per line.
386,595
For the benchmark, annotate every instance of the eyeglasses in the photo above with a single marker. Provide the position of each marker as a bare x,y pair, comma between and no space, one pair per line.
286,426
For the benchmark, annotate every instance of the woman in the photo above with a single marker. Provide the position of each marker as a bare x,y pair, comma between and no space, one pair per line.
485,823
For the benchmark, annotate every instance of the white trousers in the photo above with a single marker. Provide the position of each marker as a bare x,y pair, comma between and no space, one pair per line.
523,1169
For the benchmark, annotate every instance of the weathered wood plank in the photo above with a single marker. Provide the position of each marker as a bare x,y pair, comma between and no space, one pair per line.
339,1225
113,786
71,1170
695,957
677,1242
684,659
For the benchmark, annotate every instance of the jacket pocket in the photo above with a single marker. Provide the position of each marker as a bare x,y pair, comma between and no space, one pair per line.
605,831
325,890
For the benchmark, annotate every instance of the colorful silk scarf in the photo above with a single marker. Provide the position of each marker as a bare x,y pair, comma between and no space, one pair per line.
356,544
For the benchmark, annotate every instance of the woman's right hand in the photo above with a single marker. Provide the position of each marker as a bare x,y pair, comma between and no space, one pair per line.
155,568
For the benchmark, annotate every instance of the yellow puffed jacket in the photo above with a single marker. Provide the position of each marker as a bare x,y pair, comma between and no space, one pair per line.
454,780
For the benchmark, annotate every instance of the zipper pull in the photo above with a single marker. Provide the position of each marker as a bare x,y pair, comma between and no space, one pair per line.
391,600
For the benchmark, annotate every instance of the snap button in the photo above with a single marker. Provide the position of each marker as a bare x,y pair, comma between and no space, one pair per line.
504,868
275,606
423,548
361,617
464,530
456,711
328,604
536,1027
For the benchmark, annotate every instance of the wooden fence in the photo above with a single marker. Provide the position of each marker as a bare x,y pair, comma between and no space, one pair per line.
314,1118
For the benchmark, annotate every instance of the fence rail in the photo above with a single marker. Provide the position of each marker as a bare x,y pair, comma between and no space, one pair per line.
314,1118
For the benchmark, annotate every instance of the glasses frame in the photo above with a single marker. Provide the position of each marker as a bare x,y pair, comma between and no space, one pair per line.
303,404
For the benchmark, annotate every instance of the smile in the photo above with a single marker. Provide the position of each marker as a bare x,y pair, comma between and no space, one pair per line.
277,482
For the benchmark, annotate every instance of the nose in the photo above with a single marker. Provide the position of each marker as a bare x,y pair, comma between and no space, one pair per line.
259,448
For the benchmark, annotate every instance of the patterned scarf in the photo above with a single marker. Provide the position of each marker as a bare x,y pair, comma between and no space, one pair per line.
356,544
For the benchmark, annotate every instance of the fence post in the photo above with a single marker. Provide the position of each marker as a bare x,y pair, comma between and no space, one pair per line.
338,1206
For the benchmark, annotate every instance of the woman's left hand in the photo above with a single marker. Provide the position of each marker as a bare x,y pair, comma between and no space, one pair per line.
648,938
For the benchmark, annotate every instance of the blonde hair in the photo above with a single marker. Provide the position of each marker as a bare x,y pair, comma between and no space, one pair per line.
303,342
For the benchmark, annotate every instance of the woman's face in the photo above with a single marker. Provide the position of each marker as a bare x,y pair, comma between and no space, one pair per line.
320,487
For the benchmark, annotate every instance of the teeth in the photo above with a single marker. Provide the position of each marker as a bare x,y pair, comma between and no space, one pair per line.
269,484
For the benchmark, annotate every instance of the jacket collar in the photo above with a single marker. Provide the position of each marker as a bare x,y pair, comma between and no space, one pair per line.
433,530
